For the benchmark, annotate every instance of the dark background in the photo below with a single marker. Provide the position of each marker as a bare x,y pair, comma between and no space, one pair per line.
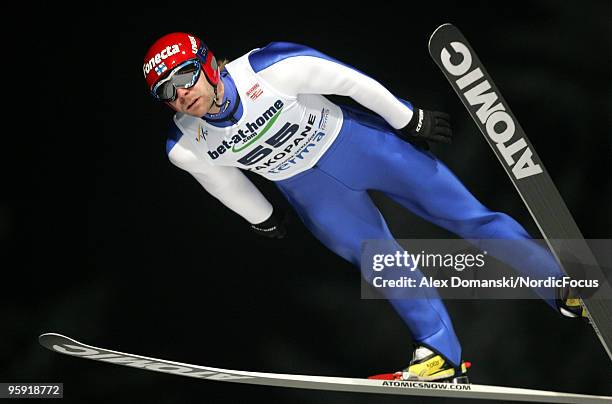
105,241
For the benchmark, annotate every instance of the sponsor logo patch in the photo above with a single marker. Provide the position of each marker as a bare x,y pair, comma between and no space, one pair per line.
254,92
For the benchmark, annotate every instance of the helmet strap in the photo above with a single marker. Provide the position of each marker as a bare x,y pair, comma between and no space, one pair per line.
214,100
216,96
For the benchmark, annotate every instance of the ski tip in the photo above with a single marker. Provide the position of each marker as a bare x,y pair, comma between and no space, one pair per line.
50,335
446,24
49,339
441,27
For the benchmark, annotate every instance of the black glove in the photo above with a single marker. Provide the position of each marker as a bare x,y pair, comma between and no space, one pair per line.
273,227
432,126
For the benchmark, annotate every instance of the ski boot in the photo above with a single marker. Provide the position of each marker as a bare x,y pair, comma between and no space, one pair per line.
570,305
429,366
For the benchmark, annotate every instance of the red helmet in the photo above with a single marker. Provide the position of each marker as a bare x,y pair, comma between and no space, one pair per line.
173,49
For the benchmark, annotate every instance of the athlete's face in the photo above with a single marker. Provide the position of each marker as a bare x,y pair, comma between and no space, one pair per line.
198,99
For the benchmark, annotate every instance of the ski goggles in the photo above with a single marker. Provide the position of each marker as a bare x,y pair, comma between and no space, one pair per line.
184,75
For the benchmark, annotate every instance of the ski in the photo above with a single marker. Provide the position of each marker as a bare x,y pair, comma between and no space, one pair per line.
68,346
491,113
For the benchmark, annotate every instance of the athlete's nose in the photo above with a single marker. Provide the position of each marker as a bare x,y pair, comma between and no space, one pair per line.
182,92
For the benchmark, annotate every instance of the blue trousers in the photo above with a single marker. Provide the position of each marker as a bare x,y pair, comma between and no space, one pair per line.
332,201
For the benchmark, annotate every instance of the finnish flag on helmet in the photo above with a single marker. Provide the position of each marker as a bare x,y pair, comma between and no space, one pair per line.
161,68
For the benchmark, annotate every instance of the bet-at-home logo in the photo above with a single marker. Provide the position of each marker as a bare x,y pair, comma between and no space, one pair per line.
245,137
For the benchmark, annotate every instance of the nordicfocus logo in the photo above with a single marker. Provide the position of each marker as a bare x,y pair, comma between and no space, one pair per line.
145,363
499,124
245,137
158,58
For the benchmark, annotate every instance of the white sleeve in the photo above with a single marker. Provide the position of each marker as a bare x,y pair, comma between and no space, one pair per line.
316,75
228,184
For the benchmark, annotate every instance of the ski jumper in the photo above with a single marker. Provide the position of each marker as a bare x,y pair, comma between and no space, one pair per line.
276,122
